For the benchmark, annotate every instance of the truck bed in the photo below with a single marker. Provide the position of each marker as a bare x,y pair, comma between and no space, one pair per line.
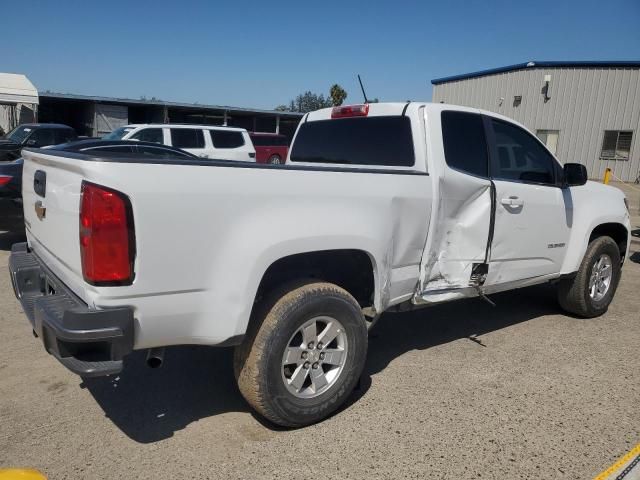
206,231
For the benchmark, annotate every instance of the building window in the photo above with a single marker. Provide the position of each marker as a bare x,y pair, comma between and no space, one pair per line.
549,138
616,145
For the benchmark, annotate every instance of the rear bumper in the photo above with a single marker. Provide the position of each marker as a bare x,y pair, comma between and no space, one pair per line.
88,342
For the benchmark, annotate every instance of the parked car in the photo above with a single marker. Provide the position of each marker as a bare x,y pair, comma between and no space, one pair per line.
123,148
205,141
33,135
11,178
11,172
389,206
270,147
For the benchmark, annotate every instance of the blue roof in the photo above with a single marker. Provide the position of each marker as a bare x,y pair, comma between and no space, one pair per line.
537,64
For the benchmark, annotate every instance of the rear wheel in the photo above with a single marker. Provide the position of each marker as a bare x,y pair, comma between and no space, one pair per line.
300,363
274,160
591,291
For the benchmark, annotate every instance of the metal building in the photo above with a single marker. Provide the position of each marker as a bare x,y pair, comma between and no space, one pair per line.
18,101
587,112
93,116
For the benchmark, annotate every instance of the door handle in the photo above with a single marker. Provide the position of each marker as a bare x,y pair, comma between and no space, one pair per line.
512,201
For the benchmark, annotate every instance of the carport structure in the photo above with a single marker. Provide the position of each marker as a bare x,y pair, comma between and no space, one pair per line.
95,116
18,101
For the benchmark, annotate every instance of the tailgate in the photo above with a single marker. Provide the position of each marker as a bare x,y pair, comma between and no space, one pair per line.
51,197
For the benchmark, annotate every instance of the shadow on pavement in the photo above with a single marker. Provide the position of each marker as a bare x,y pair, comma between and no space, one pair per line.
197,382
151,404
11,224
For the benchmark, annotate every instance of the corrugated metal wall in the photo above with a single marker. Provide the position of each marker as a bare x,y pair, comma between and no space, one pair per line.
109,117
584,103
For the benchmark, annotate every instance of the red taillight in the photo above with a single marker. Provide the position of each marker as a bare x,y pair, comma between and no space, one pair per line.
4,179
107,245
350,111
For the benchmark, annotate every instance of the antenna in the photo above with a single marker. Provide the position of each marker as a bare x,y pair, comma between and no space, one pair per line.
363,92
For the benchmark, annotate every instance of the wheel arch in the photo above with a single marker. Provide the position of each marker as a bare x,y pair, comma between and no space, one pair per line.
617,231
351,269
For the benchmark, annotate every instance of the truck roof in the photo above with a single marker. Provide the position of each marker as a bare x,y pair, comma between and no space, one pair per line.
400,108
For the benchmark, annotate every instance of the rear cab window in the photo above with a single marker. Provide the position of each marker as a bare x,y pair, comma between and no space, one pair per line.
368,141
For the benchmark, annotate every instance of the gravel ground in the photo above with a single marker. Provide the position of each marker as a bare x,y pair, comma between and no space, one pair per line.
461,390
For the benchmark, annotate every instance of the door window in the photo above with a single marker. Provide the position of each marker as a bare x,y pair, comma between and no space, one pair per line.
520,157
187,138
465,146
153,135
549,138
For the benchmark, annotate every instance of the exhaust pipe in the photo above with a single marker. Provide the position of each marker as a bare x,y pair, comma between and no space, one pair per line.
155,357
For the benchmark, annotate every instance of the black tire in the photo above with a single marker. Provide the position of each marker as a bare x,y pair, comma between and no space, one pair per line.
573,293
258,361
274,160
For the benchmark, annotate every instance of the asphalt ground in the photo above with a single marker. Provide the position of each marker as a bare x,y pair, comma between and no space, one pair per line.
456,391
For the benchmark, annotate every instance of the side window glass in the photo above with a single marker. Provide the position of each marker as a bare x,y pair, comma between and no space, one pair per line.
153,135
226,139
520,156
42,138
187,138
63,136
465,146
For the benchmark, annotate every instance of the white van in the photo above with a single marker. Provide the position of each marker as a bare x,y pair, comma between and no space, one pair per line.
206,141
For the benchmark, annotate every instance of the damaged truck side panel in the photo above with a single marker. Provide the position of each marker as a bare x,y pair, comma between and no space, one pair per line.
458,239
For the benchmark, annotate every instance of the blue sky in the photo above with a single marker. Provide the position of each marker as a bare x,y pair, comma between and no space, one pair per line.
261,54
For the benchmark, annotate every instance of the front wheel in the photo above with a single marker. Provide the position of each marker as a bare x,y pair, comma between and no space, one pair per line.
591,291
300,363
275,160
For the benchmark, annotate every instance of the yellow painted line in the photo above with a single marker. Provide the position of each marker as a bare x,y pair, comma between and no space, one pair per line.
20,474
619,463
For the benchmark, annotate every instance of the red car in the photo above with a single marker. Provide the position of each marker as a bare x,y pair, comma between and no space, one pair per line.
270,147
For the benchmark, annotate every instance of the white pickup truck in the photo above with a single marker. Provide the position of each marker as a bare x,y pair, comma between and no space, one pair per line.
378,207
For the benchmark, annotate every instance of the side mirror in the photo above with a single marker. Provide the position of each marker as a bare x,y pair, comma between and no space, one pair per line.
32,143
575,174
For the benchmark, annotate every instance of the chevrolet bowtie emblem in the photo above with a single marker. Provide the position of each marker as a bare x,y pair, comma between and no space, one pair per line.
41,210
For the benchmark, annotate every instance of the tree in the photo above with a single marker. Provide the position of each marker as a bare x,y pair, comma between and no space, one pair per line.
337,94
306,102
309,101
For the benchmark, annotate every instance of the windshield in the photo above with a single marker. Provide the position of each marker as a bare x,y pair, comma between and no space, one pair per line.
19,134
118,133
